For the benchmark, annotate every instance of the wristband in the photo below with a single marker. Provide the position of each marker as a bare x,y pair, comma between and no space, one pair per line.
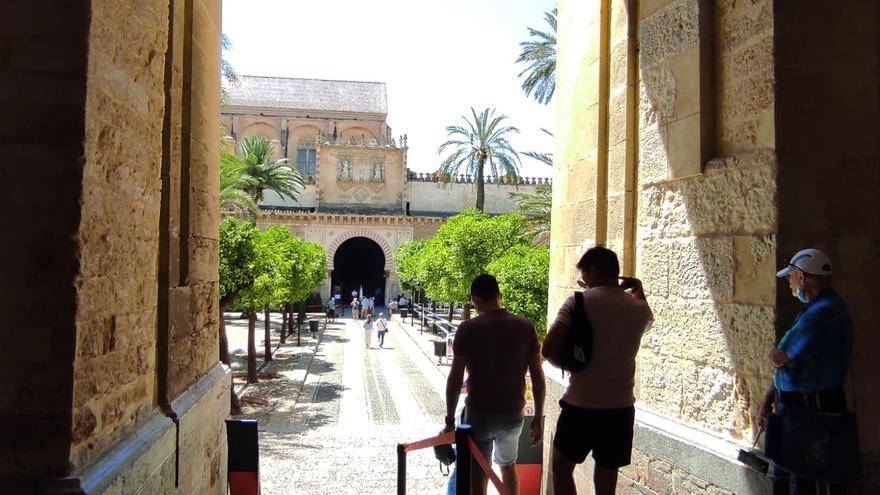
450,420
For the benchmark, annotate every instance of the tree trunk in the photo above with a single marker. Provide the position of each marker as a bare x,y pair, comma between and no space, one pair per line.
481,185
267,343
252,347
300,319
451,312
234,405
224,341
467,312
284,321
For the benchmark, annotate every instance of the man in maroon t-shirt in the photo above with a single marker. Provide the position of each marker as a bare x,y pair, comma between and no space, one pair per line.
496,347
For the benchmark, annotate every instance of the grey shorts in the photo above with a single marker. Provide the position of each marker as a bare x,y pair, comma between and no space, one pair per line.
500,430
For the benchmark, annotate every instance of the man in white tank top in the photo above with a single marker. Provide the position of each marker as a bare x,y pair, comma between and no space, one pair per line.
597,408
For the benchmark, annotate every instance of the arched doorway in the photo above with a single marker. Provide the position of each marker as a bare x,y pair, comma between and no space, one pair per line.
359,262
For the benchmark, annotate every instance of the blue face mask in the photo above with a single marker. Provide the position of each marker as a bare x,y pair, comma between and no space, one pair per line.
801,295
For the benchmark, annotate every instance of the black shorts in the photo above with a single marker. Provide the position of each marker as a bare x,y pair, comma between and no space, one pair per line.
608,433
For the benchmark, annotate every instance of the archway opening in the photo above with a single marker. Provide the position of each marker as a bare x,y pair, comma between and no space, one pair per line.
359,264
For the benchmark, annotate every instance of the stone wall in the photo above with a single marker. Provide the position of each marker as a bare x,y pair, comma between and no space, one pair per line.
665,151
440,198
705,243
689,139
131,396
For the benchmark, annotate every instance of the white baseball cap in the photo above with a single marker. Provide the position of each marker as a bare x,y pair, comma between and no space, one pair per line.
810,261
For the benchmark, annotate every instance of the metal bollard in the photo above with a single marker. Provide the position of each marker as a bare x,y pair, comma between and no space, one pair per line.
462,460
401,469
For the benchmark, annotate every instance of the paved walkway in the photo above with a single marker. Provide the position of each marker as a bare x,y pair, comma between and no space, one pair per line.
337,411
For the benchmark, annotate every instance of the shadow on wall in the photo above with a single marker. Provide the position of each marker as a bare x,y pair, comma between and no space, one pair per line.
706,214
795,152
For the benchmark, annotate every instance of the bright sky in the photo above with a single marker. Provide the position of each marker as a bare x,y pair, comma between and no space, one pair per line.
437,58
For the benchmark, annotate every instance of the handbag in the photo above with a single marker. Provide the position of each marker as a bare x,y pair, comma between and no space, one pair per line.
577,349
814,445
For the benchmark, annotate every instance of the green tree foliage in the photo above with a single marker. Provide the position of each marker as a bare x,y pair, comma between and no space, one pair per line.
536,207
523,276
461,249
539,54
237,257
409,264
287,270
260,171
478,144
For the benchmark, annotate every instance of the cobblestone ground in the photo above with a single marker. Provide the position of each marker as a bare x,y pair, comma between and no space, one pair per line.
334,417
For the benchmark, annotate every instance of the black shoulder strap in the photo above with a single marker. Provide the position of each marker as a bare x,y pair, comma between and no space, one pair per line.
579,311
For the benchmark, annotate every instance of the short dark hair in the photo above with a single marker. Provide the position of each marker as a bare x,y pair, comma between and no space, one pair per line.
602,259
485,286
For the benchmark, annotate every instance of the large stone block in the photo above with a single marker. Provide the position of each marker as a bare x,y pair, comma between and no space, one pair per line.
724,202
750,334
685,147
755,281
653,160
709,398
690,331
670,30
702,268
652,267
661,382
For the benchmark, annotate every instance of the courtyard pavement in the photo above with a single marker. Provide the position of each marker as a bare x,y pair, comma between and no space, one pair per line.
331,412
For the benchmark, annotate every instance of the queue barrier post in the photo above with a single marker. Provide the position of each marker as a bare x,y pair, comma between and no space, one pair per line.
463,459
401,469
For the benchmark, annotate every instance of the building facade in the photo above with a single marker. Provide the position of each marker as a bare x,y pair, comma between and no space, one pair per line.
358,184
705,141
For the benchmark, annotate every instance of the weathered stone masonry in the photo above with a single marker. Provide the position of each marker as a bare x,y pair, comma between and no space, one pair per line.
110,354
705,141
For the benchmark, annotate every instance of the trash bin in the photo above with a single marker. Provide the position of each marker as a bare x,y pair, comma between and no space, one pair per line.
440,350
313,327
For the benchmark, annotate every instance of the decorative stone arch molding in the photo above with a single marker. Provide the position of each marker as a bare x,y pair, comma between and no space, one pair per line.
373,236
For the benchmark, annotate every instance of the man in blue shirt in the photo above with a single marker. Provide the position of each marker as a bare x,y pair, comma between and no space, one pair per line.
812,358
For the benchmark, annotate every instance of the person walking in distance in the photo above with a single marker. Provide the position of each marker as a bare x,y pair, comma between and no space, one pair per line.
368,331
811,360
381,329
496,348
597,407
355,309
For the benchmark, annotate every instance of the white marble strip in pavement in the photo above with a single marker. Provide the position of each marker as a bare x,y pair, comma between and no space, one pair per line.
408,409
436,377
353,406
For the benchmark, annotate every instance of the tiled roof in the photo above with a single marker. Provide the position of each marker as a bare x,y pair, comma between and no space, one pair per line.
309,94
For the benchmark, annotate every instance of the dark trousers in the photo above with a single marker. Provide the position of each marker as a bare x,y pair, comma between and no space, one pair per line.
382,337
785,483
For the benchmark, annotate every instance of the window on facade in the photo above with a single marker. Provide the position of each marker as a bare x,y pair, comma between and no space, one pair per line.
305,162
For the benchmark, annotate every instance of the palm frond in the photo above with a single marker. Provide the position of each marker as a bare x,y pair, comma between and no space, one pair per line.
539,55
536,207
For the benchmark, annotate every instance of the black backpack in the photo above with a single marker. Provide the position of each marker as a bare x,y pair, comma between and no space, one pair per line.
578,346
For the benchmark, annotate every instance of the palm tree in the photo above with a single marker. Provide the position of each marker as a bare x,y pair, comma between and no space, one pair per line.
226,70
261,172
540,55
536,208
482,142
545,158
233,197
